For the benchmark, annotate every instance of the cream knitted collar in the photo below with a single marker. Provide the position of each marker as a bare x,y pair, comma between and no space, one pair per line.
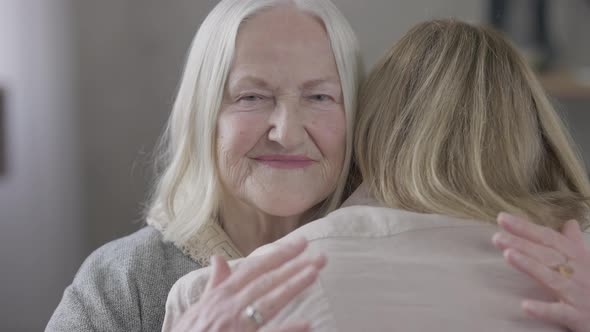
210,240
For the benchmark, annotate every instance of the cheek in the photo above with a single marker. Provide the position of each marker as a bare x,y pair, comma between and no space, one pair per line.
237,135
329,133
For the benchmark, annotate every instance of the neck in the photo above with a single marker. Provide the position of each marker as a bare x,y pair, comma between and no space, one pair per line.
249,228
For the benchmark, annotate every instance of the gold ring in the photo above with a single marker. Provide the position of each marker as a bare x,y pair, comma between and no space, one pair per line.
564,269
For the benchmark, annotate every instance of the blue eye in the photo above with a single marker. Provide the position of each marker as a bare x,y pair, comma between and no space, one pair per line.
250,98
320,98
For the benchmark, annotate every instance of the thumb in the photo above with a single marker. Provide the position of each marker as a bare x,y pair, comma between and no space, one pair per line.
572,231
220,272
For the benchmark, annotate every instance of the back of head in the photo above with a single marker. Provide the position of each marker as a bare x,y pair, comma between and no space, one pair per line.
452,121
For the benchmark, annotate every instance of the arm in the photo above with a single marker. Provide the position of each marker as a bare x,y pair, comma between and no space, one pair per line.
70,314
101,298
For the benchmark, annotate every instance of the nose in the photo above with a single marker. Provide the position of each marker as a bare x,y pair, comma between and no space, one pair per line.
287,127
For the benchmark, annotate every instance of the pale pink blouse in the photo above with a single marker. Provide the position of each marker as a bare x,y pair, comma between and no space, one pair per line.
392,270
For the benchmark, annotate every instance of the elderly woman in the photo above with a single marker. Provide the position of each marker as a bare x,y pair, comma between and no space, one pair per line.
258,144
454,128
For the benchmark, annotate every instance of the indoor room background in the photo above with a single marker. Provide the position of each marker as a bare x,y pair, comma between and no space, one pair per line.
85,90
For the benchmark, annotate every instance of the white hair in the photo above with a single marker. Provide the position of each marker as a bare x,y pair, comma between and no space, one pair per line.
187,191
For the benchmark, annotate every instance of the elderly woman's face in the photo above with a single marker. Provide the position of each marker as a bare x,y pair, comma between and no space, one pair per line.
281,130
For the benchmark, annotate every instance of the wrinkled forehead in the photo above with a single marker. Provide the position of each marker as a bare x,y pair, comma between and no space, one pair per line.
283,41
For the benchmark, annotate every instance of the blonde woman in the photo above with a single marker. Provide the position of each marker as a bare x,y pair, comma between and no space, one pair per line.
259,142
454,129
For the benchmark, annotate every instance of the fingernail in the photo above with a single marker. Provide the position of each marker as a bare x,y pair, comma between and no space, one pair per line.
320,261
500,238
514,255
530,306
311,271
298,240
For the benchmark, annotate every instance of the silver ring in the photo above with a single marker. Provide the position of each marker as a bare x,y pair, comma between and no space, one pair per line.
254,315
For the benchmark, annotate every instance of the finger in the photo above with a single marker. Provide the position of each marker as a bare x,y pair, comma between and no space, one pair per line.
277,299
271,280
264,263
535,233
291,327
542,254
221,272
560,286
557,313
572,231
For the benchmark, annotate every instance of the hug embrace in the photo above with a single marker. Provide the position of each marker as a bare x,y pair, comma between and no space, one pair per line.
440,192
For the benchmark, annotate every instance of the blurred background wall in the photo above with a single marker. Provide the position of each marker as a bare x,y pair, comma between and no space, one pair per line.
88,87
42,229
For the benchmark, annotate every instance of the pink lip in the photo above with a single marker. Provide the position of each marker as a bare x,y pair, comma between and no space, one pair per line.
285,161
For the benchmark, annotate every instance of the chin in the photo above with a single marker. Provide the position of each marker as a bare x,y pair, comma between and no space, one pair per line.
286,207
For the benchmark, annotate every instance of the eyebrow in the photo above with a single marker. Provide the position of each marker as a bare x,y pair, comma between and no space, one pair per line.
320,81
259,82
249,79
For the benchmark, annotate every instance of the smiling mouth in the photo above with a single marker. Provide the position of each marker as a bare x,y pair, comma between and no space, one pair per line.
285,161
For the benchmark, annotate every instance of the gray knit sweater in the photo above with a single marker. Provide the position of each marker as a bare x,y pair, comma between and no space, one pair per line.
122,286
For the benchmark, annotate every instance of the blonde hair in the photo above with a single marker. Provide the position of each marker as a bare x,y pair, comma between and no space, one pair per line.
187,192
454,122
